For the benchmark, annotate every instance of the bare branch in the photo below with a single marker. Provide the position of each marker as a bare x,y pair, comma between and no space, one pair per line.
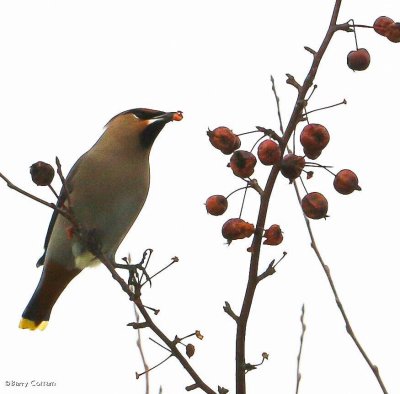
252,282
140,347
339,304
278,107
303,330
29,195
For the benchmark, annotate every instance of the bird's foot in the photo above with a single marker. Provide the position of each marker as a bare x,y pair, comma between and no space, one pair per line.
137,272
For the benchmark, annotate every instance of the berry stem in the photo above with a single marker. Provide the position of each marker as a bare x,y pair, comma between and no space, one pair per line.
249,132
317,165
304,186
255,144
53,191
240,188
363,26
354,31
244,198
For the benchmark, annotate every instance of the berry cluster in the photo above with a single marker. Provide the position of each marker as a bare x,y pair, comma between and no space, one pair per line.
314,138
359,59
242,164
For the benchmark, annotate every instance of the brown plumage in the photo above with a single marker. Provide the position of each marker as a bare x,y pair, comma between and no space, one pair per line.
107,186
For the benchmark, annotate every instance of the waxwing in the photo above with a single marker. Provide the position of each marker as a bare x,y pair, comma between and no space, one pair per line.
107,186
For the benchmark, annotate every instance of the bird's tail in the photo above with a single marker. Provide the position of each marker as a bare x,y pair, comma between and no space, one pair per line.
54,279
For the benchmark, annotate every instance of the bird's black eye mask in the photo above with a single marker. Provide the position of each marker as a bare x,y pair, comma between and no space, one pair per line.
141,113
145,113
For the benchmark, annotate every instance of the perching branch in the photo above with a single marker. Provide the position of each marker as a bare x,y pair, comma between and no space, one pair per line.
29,195
89,239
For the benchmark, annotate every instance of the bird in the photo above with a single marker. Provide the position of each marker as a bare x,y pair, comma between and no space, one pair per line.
106,189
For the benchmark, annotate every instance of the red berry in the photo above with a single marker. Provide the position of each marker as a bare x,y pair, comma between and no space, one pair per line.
358,60
269,152
224,139
292,166
190,349
242,163
346,182
312,154
381,24
42,173
393,32
237,229
273,235
314,137
216,205
315,205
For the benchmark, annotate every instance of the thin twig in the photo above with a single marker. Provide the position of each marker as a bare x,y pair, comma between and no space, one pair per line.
170,344
138,375
26,194
278,107
327,107
53,191
140,347
63,181
303,330
174,260
51,205
339,304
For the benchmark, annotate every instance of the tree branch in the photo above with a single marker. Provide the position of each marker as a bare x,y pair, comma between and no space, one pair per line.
339,304
88,238
264,204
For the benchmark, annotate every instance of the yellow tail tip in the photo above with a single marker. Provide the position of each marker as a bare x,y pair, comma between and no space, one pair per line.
31,325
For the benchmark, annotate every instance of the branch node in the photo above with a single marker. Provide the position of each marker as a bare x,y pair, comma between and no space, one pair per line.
308,49
270,133
137,325
228,310
292,81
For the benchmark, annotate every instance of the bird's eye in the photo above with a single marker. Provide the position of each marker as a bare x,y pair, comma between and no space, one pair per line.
135,117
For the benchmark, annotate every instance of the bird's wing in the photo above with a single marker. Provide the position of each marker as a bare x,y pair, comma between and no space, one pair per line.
61,200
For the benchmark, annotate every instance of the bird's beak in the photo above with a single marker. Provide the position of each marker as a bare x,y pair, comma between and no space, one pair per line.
168,117
156,124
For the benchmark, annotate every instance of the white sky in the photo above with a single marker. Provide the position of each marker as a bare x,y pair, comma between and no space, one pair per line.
67,67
